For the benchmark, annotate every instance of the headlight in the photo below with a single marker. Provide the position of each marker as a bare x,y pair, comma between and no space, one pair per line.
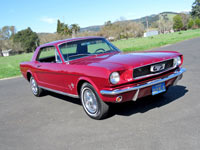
114,77
177,61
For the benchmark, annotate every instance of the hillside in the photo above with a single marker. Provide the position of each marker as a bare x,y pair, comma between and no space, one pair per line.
151,19
91,28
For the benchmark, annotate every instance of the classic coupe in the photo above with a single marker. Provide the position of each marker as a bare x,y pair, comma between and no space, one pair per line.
97,72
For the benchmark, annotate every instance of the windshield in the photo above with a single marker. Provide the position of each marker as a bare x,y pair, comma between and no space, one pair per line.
82,48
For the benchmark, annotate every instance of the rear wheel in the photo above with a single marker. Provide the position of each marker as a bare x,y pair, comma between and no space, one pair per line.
92,104
37,91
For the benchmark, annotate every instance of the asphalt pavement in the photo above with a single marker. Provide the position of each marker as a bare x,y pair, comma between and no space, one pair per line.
56,122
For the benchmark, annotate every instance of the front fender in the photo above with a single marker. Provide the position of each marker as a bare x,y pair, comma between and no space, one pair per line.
86,79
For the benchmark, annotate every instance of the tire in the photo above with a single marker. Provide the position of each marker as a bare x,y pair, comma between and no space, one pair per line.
37,91
91,102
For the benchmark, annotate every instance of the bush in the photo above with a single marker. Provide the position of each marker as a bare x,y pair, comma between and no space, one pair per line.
178,24
197,22
190,24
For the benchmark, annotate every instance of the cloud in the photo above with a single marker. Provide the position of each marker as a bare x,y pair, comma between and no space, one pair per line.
48,20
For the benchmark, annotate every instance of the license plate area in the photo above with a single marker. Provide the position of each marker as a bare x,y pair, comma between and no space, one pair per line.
158,88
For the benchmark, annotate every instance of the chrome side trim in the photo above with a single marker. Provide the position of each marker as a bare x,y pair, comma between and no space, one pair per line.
150,83
59,92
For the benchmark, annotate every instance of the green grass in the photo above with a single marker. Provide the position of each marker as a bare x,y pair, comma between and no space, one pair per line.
9,66
155,41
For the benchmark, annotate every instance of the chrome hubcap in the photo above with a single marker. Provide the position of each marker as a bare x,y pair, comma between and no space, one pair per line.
89,100
34,86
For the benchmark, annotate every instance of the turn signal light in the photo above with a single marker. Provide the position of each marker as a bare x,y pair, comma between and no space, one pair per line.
119,99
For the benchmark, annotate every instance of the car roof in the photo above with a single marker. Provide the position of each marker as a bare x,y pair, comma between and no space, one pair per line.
69,40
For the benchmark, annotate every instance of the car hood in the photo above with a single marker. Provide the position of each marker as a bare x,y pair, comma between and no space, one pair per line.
115,61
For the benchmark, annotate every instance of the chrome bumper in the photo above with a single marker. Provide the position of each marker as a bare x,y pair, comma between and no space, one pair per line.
178,73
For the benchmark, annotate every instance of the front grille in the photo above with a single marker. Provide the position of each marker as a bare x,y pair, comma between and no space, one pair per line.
145,70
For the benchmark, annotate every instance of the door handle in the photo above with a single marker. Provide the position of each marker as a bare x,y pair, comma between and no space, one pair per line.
38,66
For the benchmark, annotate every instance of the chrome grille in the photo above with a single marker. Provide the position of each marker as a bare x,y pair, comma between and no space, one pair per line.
145,70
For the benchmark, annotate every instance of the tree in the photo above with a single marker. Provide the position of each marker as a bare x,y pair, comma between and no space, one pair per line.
196,9
108,23
197,22
164,25
7,32
75,28
59,26
154,24
165,17
178,24
12,30
28,39
185,20
64,29
190,24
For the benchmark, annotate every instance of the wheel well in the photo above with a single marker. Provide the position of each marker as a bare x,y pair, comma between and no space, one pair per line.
28,76
80,83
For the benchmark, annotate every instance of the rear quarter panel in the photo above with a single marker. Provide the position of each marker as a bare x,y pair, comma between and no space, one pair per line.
26,67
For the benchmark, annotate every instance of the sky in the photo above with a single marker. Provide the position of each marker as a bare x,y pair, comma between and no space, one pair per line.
42,15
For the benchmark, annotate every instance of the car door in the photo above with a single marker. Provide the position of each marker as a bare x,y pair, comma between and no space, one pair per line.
49,69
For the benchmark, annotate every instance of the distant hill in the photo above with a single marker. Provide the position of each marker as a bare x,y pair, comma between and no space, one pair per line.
151,19
91,28
155,17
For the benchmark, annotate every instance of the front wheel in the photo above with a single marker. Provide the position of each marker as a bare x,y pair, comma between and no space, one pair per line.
92,104
37,91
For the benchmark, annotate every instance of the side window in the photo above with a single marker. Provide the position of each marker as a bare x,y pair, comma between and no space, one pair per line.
48,55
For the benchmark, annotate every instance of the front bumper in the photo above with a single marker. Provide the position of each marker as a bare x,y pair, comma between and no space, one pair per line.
178,73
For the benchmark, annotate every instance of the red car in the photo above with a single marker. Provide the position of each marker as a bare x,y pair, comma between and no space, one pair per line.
98,73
